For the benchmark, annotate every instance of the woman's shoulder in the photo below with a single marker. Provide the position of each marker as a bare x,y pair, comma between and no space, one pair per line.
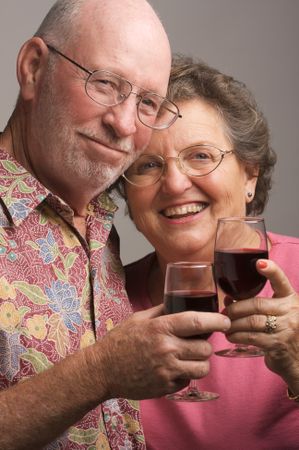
285,252
141,265
283,240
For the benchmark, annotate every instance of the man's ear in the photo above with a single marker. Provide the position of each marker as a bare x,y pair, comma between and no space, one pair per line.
31,62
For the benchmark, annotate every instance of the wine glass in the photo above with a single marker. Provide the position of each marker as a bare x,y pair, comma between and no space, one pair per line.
190,286
240,242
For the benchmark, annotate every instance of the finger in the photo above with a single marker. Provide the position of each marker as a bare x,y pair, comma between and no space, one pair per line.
193,323
193,349
267,342
259,306
193,370
150,313
279,281
257,339
252,323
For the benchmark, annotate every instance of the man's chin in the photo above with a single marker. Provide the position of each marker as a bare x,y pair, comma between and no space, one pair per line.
105,178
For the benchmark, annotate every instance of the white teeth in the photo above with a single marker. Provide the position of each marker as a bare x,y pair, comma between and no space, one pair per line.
183,210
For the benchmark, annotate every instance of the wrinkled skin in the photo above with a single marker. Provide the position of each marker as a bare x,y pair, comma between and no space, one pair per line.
249,318
152,357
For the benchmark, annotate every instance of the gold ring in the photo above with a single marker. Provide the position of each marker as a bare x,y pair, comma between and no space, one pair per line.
271,324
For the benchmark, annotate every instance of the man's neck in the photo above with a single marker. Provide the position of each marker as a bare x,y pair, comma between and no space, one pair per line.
6,142
80,225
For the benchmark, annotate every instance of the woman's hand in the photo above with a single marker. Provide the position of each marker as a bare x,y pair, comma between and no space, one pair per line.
272,324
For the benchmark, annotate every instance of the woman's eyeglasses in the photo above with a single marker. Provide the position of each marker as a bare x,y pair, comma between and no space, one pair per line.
195,161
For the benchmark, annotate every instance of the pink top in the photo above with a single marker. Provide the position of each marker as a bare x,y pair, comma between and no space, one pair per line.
253,411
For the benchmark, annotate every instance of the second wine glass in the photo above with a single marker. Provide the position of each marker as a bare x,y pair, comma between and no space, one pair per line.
240,242
190,286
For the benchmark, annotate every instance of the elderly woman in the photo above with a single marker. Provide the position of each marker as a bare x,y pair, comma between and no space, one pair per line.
176,203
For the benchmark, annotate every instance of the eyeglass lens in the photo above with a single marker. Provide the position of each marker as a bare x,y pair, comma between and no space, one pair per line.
109,89
195,161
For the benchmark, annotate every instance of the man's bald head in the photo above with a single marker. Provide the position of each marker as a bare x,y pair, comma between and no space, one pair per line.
68,20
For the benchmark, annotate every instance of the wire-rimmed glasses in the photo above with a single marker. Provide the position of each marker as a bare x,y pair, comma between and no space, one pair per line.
196,161
109,89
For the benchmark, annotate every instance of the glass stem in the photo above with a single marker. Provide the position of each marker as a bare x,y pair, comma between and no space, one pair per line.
241,347
192,385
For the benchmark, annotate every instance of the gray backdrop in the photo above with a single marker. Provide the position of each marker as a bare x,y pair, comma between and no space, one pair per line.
253,40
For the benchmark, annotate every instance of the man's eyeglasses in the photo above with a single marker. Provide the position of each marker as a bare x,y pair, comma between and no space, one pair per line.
109,89
195,161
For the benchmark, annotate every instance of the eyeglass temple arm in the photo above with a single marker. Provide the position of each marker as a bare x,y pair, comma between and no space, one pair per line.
170,110
53,49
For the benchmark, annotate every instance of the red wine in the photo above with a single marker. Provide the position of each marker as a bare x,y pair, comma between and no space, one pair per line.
236,274
202,301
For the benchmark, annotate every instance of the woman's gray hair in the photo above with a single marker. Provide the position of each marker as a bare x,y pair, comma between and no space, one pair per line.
246,126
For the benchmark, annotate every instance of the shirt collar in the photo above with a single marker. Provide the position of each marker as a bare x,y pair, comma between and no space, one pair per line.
21,193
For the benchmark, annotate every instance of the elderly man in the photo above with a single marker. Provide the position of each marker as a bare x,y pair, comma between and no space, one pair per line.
92,87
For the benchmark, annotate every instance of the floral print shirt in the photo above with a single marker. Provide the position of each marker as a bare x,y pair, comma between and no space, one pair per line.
59,293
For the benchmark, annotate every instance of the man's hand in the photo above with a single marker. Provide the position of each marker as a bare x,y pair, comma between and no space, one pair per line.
151,354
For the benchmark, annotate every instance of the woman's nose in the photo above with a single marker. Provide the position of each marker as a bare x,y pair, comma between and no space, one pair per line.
173,180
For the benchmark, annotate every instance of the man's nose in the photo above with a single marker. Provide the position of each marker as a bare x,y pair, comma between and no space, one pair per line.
123,117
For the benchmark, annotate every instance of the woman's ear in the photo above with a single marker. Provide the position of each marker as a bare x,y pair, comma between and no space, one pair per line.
31,62
252,174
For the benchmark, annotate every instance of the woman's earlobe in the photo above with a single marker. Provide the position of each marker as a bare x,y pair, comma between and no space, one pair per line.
249,196
252,174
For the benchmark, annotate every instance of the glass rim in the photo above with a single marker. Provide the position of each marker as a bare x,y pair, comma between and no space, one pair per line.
190,264
247,219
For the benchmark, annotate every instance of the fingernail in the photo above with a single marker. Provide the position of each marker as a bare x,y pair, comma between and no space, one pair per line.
227,322
262,264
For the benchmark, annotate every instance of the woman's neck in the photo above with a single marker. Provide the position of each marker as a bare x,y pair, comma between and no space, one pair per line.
156,282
